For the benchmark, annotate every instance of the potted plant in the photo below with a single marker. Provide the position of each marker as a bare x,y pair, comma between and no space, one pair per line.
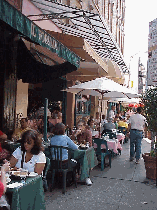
149,100
150,160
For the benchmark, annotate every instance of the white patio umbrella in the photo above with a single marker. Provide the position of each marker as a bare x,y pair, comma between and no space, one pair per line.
102,87
117,95
124,100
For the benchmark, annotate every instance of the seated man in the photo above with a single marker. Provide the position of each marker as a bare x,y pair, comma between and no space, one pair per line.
19,131
110,125
4,152
82,134
122,122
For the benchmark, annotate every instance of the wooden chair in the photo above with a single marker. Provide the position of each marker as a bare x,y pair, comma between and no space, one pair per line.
100,152
47,166
57,165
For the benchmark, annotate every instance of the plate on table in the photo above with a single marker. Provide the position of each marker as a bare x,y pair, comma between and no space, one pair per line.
33,174
15,184
18,175
83,147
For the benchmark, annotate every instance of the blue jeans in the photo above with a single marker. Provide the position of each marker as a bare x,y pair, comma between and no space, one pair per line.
135,143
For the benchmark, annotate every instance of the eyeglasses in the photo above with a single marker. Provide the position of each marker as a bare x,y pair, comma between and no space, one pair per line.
28,142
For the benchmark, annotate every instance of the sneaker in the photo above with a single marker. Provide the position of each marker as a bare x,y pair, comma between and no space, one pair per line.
137,161
88,182
131,159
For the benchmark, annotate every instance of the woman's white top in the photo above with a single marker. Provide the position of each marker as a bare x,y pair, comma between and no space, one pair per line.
30,165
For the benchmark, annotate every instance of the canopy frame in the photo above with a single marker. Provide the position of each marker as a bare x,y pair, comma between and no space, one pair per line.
88,25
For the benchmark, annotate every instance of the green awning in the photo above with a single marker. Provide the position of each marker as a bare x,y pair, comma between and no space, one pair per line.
21,23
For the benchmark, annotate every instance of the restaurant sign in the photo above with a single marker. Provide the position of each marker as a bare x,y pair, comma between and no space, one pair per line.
25,26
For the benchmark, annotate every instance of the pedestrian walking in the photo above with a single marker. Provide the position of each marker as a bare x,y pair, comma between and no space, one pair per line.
136,127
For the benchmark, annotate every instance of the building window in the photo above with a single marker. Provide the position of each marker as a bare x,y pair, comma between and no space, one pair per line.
58,1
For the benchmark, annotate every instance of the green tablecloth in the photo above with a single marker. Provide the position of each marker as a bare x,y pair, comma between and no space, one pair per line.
86,158
28,197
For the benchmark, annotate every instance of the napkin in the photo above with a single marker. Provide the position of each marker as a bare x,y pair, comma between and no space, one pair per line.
15,184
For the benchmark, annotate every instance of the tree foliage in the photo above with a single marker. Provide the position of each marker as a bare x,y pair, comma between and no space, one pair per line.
149,100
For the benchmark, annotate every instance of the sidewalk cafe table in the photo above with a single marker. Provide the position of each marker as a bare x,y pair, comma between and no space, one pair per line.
28,196
120,137
112,145
86,158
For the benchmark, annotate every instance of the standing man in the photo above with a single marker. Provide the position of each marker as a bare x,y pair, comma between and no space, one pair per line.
136,128
112,112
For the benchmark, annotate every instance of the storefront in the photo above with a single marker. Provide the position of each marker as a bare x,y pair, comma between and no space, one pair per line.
17,62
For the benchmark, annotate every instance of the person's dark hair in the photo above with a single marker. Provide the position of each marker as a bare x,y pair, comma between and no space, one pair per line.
120,117
91,118
32,134
139,109
103,116
25,118
59,129
89,121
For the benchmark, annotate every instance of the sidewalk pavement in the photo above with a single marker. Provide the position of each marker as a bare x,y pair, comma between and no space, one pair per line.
123,186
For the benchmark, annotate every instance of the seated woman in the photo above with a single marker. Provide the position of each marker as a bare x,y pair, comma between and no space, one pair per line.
60,139
30,153
82,134
92,128
91,125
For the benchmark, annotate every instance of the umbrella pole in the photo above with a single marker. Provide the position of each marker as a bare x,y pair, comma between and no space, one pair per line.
45,118
100,115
